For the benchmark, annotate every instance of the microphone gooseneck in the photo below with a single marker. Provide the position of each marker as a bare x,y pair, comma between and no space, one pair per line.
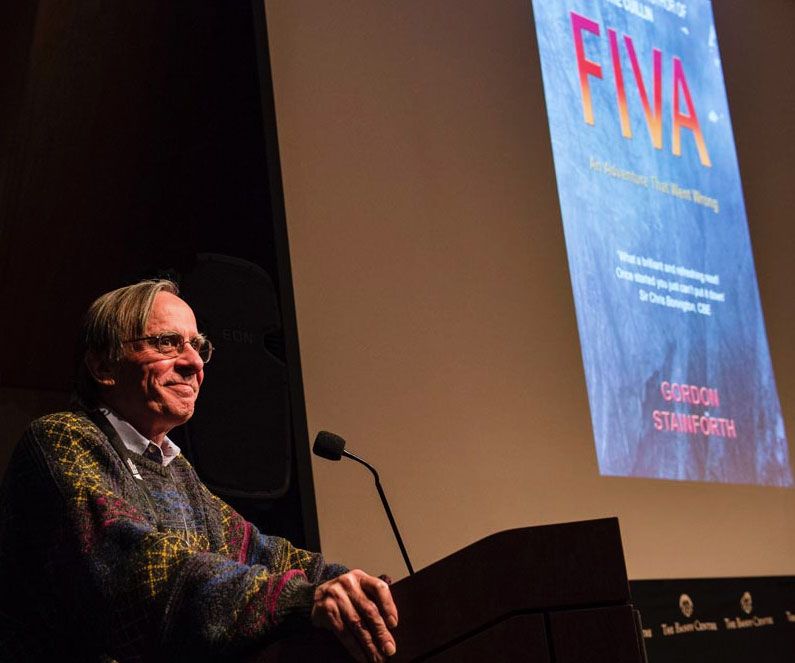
332,447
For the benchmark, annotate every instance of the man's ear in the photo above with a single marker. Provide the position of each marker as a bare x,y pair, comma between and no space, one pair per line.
103,370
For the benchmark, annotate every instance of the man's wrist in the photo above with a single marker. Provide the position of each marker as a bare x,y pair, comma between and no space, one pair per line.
296,600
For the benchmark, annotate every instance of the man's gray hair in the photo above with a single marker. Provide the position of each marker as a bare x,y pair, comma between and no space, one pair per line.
114,317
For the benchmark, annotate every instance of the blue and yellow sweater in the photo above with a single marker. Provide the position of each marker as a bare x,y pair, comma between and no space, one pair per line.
98,564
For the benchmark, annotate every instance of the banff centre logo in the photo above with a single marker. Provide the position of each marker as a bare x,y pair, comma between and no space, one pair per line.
747,603
686,606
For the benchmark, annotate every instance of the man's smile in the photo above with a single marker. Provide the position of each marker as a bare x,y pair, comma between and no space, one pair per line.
182,387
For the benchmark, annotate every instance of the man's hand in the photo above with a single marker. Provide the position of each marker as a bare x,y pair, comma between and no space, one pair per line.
359,610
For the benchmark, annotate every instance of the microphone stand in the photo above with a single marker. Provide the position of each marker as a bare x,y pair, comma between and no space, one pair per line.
386,507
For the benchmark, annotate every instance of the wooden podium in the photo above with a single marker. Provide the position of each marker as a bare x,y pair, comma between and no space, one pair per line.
549,594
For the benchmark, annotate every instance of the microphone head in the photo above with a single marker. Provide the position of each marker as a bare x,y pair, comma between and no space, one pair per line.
328,445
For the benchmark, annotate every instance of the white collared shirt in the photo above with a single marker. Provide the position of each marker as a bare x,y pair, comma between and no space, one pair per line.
136,442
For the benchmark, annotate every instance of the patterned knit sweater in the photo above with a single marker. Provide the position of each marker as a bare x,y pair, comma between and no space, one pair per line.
97,566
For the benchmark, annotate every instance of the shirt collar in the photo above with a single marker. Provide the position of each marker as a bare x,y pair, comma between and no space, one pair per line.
136,442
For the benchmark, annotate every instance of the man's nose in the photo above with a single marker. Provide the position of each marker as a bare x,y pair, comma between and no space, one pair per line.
189,359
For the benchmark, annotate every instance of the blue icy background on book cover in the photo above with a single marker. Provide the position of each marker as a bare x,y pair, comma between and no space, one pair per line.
636,336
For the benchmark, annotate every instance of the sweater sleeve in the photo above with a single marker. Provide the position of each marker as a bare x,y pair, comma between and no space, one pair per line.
151,592
281,578
245,543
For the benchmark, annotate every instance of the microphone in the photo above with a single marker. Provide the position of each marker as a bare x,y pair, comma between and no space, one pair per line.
332,447
328,446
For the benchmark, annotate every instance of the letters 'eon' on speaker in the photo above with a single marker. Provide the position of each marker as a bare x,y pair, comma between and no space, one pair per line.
239,438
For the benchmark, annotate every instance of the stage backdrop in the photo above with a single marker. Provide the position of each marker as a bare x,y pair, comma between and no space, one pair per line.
435,307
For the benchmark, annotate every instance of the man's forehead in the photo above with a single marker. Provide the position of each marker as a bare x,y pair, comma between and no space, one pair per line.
170,313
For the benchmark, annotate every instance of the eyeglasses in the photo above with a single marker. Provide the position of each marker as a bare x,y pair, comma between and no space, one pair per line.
172,344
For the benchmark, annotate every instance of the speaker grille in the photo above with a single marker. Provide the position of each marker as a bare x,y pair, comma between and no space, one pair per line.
239,438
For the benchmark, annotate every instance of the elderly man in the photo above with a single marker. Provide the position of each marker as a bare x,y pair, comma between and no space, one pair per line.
111,548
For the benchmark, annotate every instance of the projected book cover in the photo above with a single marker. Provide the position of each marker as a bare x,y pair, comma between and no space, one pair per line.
676,359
